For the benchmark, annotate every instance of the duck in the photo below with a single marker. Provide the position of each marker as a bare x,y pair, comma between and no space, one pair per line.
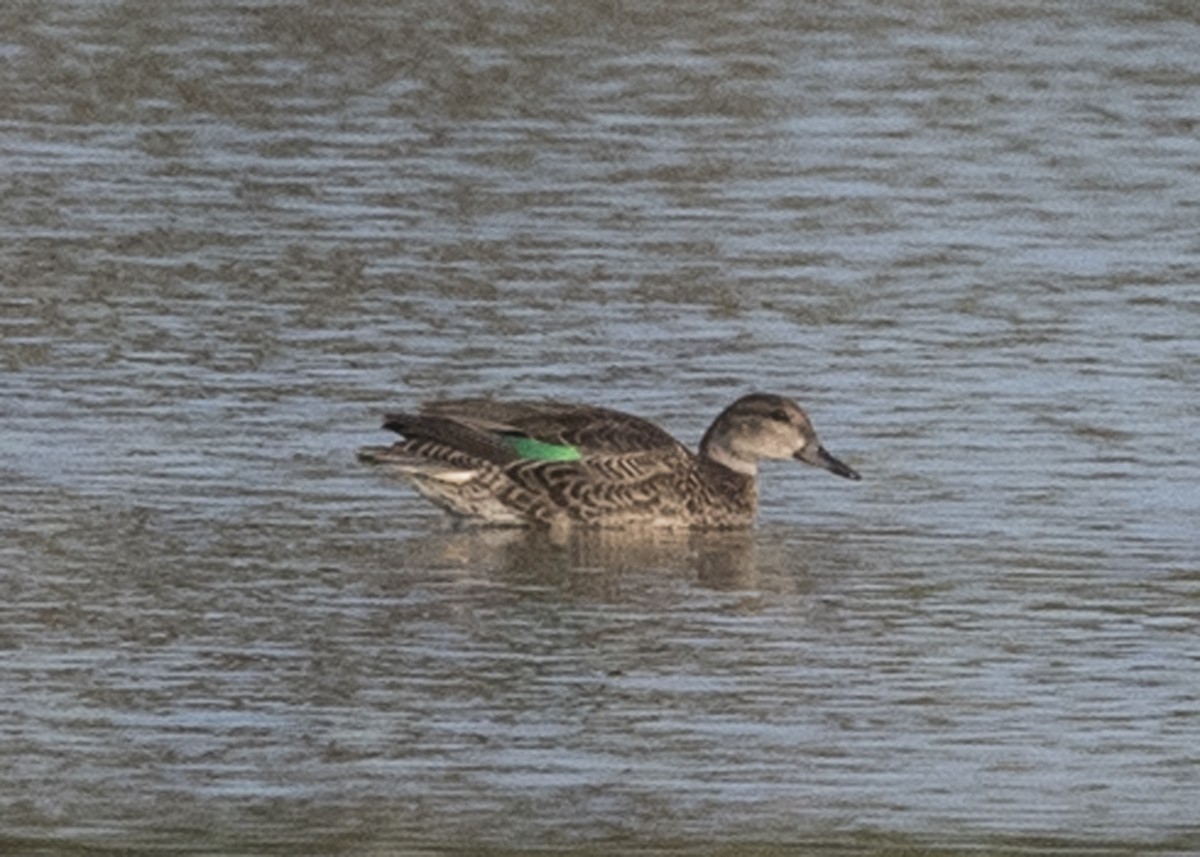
555,464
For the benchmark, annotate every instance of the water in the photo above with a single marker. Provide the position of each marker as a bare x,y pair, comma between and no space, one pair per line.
964,237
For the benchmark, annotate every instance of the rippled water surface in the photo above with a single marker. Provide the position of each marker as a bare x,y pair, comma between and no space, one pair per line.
963,235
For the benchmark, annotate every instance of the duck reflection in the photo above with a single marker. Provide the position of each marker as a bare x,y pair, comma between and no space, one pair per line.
600,563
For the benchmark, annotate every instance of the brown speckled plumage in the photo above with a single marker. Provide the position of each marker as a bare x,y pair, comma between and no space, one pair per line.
622,470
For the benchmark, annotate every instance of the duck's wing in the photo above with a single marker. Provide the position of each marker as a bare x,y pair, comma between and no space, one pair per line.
451,440
591,431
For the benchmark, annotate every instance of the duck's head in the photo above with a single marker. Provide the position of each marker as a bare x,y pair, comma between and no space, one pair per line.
764,426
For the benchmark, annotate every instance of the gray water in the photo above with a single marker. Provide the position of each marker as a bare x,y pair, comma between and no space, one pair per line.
963,235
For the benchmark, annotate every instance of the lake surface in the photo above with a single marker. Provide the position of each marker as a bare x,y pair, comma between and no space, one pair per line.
963,235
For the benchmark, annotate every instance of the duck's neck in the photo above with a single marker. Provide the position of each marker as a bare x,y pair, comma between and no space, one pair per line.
728,481
727,459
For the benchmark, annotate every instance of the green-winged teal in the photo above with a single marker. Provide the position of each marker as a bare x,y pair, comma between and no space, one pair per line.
554,463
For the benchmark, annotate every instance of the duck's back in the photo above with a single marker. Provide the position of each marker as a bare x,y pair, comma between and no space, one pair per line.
591,430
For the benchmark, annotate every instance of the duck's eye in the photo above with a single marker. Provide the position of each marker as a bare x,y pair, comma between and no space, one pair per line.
781,415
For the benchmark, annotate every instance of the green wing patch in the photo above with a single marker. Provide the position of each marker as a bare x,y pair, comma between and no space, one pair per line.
538,450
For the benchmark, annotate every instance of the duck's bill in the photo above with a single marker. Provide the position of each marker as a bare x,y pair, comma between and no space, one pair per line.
821,458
